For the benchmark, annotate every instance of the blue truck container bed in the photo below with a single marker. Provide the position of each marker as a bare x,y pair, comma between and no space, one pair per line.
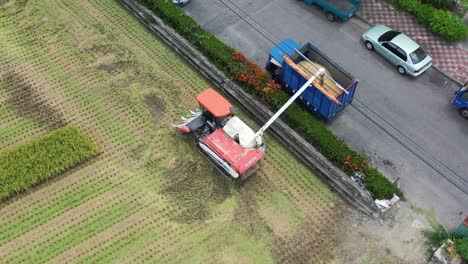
320,100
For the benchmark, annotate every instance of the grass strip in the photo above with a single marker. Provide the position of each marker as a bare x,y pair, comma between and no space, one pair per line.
33,162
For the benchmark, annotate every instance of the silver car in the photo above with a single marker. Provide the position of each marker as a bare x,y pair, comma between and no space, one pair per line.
399,49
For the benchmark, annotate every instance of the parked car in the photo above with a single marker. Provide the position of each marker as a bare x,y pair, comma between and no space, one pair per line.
334,9
181,3
460,101
399,49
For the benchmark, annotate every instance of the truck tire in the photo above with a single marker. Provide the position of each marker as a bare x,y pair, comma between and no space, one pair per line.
463,112
330,16
369,45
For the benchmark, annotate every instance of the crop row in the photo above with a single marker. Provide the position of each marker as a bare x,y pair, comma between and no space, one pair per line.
24,166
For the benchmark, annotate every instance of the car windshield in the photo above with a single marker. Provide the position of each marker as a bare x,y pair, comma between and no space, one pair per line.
418,55
389,35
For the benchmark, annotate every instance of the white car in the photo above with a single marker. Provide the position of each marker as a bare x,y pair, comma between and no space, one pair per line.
399,49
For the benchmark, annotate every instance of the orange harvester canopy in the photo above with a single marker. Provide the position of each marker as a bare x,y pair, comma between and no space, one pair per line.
215,103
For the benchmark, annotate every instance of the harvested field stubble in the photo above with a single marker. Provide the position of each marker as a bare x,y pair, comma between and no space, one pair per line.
149,196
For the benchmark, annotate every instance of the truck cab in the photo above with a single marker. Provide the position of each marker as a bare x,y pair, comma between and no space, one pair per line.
460,101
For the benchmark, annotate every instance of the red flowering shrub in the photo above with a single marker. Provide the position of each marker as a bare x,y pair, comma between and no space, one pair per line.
251,76
353,163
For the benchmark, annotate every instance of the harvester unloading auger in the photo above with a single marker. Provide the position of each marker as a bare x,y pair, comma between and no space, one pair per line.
224,139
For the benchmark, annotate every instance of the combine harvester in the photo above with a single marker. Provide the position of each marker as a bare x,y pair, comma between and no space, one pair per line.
224,139
292,65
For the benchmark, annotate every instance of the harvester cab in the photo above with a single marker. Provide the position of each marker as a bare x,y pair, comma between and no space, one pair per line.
224,139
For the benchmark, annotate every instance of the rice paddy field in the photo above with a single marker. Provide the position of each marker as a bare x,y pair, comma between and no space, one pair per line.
149,196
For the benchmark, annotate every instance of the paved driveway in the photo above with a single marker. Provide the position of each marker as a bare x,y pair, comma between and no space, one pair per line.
406,126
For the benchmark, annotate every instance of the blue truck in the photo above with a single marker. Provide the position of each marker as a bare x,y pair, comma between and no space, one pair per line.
292,65
342,9
460,101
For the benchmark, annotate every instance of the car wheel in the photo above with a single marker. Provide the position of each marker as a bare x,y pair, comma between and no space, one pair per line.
464,112
369,45
331,17
401,70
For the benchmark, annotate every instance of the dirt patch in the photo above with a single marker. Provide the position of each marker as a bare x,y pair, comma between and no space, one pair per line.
311,243
156,106
277,222
397,239
28,102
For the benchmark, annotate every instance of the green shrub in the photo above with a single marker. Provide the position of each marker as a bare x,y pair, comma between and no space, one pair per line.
443,23
441,4
378,185
410,6
436,237
448,26
462,247
301,120
424,13
26,165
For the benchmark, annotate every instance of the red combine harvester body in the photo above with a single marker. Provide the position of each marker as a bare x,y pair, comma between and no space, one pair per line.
222,137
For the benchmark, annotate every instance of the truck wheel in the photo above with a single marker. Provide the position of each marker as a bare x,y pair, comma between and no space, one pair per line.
401,70
369,45
464,112
331,17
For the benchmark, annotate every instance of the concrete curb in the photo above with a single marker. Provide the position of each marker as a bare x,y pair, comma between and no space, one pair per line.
446,75
322,167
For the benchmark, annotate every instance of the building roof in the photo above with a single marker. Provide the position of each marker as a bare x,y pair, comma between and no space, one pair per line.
214,103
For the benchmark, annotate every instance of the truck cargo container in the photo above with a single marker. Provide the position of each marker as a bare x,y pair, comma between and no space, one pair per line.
292,65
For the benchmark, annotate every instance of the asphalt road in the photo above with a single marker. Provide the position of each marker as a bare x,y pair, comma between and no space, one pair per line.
406,126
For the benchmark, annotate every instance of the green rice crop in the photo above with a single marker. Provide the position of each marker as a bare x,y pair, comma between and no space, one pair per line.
26,165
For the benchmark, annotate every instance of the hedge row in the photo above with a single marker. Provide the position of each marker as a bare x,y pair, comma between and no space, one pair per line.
441,22
26,165
230,61
462,247
441,4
